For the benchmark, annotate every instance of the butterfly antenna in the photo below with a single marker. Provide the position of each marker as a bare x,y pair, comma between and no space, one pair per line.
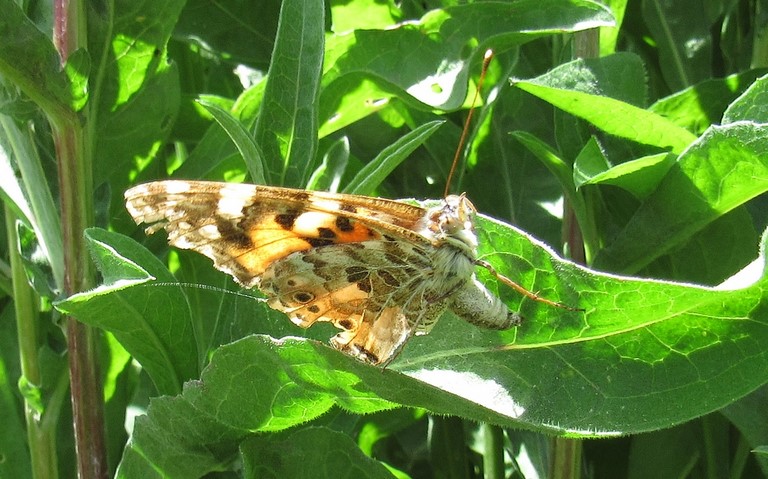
486,61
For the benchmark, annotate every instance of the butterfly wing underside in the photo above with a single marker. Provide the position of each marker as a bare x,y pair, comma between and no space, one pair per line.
347,259
373,292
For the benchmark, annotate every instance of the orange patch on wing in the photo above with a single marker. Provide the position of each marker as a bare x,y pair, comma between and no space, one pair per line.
333,228
269,243
356,233
272,239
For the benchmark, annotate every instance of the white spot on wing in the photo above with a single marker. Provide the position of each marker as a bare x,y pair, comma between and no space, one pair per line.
175,187
325,204
210,232
307,223
231,205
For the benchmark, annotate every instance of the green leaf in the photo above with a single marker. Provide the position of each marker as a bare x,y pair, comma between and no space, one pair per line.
640,177
699,106
373,173
751,419
328,176
29,195
134,87
249,41
13,428
288,456
566,177
242,140
750,106
713,254
667,453
286,129
681,31
439,77
154,325
571,88
29,61
639,345
726,167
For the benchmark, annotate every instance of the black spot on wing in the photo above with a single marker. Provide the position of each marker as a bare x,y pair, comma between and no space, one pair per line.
326,233
388,278
314,261
287,220
394,259
316,242
303,296
233,234
364,286
356,274
344,224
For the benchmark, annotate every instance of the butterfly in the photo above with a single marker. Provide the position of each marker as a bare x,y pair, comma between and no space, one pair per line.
379,270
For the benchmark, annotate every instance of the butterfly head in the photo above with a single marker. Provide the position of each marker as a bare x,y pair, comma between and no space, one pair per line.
453,222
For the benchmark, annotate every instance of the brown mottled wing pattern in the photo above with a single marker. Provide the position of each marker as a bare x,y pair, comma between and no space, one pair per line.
245,228
373,291
351,260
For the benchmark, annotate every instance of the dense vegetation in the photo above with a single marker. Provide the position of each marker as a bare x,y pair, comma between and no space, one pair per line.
627,136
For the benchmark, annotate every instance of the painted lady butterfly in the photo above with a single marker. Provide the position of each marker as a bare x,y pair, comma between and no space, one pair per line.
379,270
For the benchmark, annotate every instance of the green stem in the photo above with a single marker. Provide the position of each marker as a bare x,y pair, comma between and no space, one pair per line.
493,459
75,187
566,458
759,37
41,436
740,458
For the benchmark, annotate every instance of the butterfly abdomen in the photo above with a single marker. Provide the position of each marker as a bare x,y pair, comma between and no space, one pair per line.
475,304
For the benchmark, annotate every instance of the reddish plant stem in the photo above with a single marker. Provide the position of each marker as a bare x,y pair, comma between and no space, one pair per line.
75,188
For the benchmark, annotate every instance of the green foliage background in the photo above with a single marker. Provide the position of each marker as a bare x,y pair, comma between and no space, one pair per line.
644,154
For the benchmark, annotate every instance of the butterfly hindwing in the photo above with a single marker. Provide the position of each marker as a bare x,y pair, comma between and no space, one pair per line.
372,291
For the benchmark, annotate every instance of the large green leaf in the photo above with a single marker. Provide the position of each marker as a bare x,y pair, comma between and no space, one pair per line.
134,87
615,368
286,128
586,89
722,170
439,77
154,325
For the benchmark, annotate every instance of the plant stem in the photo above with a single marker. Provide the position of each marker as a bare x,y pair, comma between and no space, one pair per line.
41,436
73,151
566,458
85,380
493,459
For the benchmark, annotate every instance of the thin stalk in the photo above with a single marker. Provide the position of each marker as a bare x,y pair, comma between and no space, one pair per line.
41,436
75,187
